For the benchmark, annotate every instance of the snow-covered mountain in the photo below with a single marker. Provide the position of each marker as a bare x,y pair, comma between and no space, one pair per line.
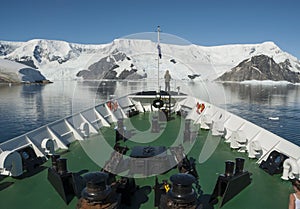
261,67
13,72
115,66
62,60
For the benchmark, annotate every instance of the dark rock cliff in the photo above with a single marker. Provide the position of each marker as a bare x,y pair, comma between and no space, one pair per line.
105,68
261,67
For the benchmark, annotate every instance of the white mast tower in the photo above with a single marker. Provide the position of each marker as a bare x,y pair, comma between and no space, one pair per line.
158,56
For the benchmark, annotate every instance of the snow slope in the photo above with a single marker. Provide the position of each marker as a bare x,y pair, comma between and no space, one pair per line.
15,72
63,60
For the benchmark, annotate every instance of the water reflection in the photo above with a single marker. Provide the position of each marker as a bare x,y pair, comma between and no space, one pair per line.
33,101
26,107
262,94
23,108
100,89
106,88
260,103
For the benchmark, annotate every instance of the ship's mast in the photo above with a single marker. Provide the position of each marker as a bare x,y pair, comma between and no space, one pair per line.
158,56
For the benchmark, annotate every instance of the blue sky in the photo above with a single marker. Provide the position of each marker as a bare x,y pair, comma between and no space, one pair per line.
202,22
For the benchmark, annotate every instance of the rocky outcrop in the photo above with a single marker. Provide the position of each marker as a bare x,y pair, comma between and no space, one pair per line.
13,72
109,66
261,67
6,48
26,60
38,52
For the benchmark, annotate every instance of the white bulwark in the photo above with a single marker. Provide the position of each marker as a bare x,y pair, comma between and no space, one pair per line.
240,134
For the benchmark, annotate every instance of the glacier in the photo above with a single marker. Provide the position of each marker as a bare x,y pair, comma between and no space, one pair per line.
60,60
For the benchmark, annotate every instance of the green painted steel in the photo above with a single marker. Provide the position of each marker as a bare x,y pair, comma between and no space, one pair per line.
34,191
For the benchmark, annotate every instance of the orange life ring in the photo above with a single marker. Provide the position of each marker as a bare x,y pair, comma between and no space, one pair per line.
109,105
200,107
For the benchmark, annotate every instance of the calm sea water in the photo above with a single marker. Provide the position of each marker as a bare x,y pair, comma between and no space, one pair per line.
26,107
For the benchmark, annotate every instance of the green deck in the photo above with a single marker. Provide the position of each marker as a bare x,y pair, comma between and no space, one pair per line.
35,191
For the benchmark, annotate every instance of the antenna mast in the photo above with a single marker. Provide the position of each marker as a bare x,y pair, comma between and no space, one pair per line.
158,56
